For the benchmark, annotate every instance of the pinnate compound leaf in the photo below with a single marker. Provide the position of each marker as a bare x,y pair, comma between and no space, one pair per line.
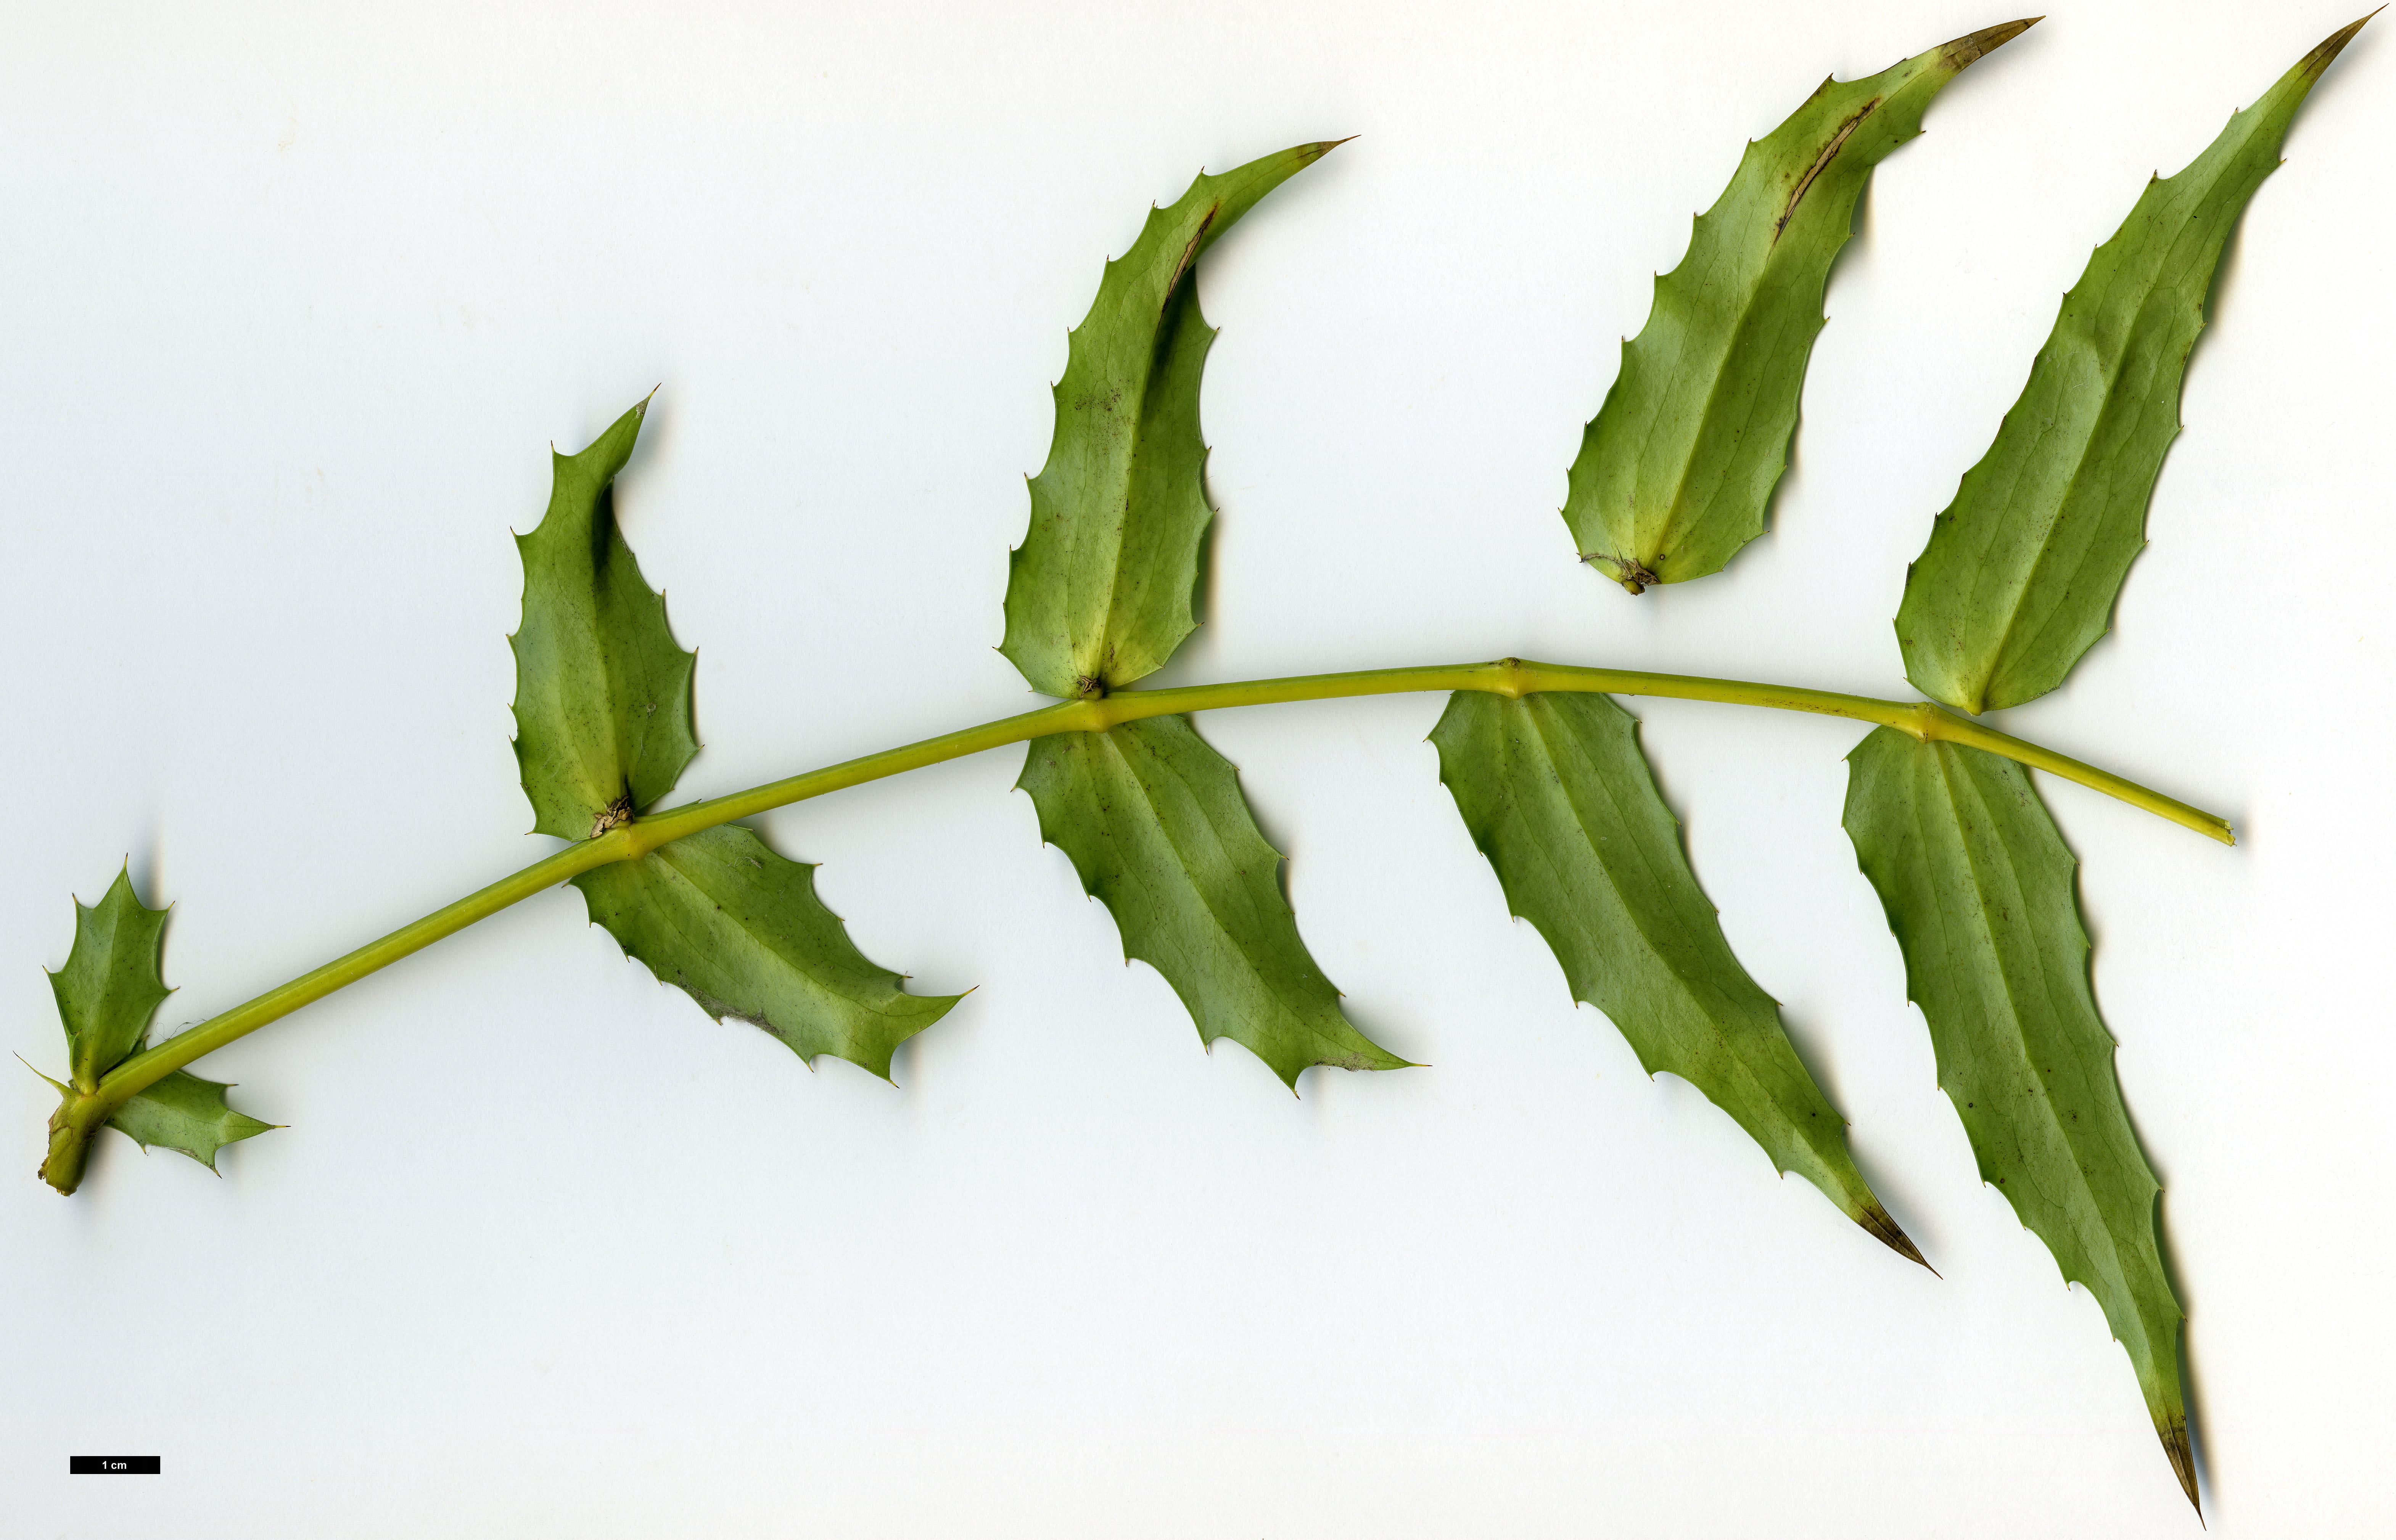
1099,592
1556,793
1154,823
1676,471
603,695
740,928
183,1112
112,984
1979,888
2022,569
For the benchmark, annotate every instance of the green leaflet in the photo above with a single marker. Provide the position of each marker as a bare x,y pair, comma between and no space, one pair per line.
1154,823
604,728
1557,794
1676,469
110,986
1979,888
1099,595
603,695
740,928
1099,592
185,1113
2022,569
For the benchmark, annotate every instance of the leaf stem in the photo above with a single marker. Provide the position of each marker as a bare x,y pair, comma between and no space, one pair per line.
82,1113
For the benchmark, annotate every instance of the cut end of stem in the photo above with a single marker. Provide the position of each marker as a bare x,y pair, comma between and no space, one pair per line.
70,1144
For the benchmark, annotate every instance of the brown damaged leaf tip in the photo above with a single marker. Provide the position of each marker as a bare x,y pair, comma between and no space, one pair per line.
1884,1229
2316,61
1961,53
1321,148
2175,1433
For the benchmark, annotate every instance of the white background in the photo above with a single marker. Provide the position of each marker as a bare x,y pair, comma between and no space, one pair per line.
296,298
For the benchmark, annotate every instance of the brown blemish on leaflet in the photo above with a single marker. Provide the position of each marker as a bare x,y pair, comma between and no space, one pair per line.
1877,1223
1952,59
2316,61
1830,151
1189,252
1965,50
2175,1432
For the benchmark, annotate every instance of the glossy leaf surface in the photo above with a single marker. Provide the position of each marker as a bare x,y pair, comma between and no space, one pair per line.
112,984
2022,569
721,916
1156,827
603,694
1979,889
1556,793
1675,472
1099,592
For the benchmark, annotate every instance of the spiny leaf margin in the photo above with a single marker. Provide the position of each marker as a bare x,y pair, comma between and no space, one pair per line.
739,927
603,707
108,992
1677,468
1980,892
1101,591
181,1111
113,982
1556,793
1158,830
2022,569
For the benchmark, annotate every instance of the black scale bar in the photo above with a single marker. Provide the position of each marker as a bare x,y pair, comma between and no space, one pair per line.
112,1465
